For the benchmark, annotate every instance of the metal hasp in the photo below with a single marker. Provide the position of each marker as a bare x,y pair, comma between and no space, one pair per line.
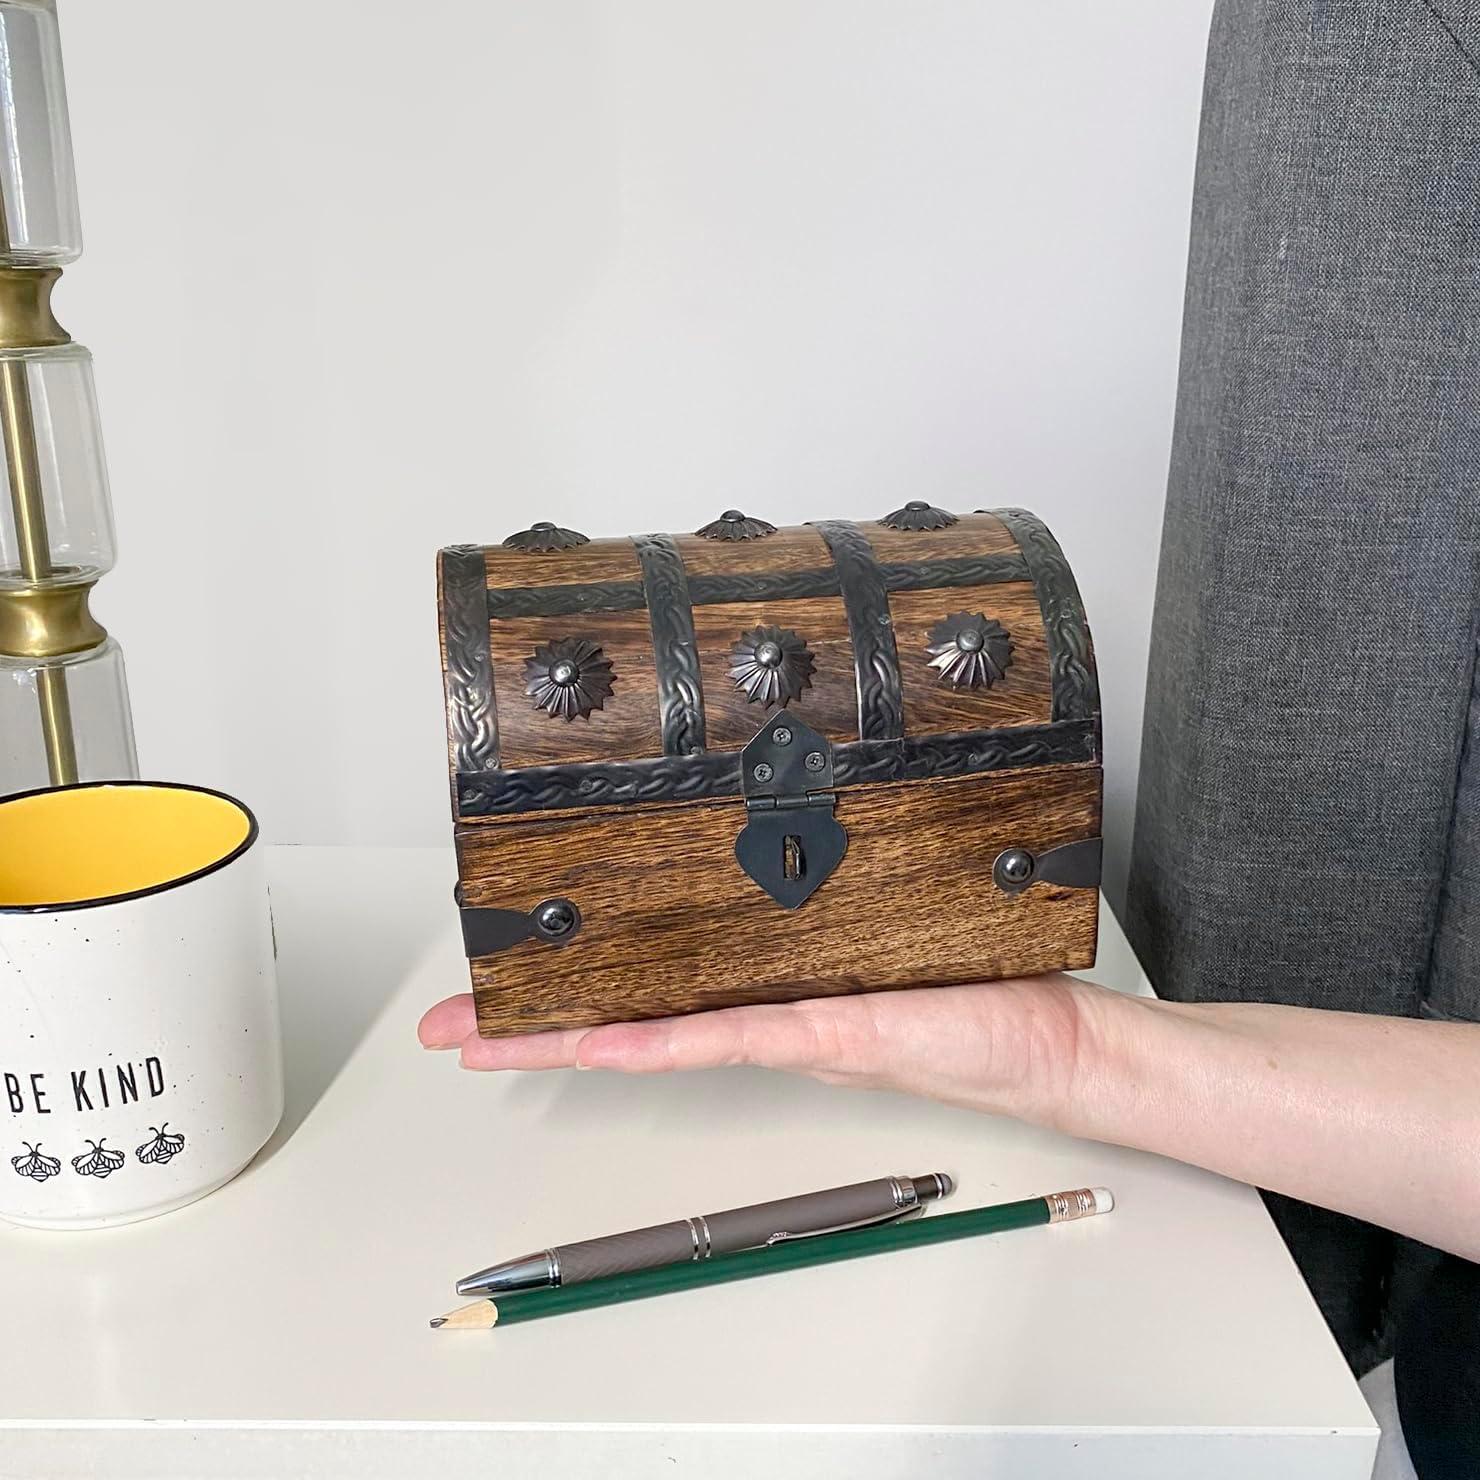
791,840
1072,865
486,931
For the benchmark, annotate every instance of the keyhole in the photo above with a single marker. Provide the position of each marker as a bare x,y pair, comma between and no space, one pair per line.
792,862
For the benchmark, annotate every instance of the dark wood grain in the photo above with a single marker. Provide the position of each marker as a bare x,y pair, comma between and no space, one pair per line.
598,560
830,706
627,725
673,925
794,548
1023,697
971,534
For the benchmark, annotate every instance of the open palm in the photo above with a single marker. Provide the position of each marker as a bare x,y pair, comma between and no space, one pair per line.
1011,1047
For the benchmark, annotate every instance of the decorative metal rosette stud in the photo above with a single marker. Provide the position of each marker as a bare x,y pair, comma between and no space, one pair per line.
568,678
733,525
545,536
771,665
917,514
970,651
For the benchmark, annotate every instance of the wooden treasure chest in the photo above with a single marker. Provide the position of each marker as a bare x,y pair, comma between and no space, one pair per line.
754,764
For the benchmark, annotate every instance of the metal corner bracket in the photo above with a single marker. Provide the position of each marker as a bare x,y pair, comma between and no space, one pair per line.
1071,865
488,931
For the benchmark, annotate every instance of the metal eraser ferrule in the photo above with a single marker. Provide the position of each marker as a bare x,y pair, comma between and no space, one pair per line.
1083,1202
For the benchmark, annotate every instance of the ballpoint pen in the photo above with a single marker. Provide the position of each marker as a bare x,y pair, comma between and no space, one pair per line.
880,1238
705,1234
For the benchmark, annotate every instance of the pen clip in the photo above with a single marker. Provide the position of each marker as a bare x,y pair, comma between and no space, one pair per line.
894,1215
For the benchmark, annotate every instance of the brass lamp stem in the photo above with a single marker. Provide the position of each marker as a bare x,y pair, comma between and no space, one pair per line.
26,322
18,429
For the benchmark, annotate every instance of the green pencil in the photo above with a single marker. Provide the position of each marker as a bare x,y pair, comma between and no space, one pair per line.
534,1305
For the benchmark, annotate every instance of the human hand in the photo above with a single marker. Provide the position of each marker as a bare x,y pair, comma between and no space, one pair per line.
1020,1047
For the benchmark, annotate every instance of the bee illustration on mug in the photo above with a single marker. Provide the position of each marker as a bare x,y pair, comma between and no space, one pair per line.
161,1148
36,1166
99,1162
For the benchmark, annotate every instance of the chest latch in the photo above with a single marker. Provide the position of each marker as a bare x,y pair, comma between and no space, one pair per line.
791,840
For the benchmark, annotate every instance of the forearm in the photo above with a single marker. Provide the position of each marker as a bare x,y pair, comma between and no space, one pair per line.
1377,1117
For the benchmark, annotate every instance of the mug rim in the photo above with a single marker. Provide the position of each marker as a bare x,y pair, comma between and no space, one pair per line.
152,889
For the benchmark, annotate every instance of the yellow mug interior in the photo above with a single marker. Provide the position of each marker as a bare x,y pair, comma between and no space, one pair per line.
85,843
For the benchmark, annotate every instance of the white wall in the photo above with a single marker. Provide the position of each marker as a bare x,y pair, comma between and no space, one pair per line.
367,278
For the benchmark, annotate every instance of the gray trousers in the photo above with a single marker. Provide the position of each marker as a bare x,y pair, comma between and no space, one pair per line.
1308,825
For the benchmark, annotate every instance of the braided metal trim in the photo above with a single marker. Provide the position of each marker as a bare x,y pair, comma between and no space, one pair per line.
754,586
715,775
675,650
871,628
931,757
472,721
966,570
1076,689
675,778
565,601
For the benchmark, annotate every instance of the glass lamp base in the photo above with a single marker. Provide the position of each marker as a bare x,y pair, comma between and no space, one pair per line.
64,720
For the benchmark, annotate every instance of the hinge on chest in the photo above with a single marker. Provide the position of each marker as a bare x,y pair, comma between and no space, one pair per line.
791,840
790,804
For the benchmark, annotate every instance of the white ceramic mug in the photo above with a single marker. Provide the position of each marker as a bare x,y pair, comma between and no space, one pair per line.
140,1052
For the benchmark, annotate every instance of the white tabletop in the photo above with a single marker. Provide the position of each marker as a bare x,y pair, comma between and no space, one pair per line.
280,1326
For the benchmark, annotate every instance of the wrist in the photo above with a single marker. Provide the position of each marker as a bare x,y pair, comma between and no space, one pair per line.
1114,1034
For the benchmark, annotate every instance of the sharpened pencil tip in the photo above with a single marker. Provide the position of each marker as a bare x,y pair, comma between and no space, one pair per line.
480,1316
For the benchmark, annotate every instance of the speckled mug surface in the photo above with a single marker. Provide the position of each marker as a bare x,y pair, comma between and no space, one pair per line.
140,1050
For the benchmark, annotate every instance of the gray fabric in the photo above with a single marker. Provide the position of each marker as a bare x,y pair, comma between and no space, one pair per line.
1302,831
1454,974
1312,648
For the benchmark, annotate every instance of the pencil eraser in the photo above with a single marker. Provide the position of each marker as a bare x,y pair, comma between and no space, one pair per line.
1104,1199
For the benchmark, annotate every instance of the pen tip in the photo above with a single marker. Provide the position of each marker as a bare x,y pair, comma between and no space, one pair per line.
437,1321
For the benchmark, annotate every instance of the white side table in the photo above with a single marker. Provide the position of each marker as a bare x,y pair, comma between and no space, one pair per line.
1171,1339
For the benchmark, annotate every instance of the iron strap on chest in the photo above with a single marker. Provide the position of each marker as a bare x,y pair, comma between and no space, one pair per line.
860,581
665,589
875,654
502,775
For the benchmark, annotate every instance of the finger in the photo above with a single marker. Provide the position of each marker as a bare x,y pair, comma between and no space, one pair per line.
779,1037
526,1051
448,1023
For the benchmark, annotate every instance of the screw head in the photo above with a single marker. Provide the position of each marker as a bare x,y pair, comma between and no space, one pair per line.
733,516
763,772
781,735
768,654
815,760
1016,866
542,524
917,505
969,641
563,673
556,917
